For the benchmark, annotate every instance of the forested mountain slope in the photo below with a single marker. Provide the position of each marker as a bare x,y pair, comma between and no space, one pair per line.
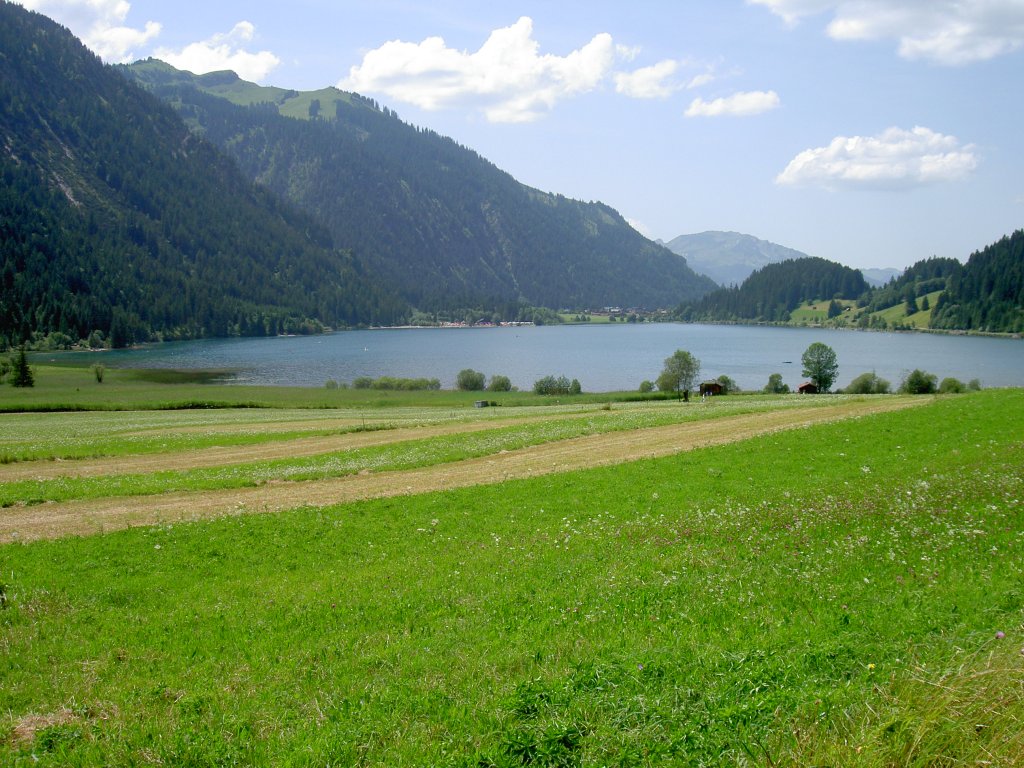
988,293
432,217
116,219
918,280
773,292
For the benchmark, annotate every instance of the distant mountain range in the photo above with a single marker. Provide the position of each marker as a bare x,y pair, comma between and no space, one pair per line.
880,276
729,258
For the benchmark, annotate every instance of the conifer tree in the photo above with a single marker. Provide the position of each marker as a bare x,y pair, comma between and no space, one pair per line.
22,373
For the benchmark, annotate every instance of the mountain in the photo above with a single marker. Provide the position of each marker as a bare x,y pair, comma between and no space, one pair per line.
729,258
774,291
433,218
118,222
878,277
987,294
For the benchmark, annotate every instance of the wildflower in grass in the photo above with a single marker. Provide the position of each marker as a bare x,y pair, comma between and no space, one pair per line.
871,667
1000,635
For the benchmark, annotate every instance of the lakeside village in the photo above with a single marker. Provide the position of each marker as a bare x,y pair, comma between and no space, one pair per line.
562,316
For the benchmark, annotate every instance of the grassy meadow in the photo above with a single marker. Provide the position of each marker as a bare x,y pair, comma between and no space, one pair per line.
849,593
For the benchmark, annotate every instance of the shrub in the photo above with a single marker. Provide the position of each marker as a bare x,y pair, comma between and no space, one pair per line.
951,386
469,380
919,383
500,383
646,386
95,340
331,384
775,386
868,384
98,369
549,385
393,383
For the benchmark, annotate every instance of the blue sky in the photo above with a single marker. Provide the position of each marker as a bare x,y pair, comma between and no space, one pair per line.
870,132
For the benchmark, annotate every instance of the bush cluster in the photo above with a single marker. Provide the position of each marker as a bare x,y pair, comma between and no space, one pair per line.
469,380
868,384
390,382
551,385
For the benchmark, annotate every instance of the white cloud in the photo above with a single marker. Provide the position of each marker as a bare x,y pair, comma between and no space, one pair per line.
652,82
507,75
700,80
99,24
507,78
794,10
223,51
950,32
741,104
894,159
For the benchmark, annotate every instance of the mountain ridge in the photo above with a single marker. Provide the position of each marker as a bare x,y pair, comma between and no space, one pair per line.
118,223
729,257
437,220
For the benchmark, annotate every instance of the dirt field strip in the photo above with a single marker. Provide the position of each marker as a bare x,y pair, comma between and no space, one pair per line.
197,458
54,520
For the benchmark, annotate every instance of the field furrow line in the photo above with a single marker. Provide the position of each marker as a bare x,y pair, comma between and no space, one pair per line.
54,520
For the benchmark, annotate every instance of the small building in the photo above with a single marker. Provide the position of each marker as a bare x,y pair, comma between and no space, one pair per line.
808,388
710,388
481,404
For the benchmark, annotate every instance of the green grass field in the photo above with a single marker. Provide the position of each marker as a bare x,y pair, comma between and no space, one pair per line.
844,594
817,312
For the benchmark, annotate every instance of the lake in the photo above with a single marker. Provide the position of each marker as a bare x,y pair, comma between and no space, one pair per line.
603,357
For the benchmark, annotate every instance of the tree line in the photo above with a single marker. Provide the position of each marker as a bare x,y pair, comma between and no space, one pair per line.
985,294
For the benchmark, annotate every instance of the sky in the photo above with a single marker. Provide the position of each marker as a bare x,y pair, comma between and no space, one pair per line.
875,133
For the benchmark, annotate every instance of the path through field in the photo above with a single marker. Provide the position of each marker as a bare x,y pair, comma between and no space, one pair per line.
85,517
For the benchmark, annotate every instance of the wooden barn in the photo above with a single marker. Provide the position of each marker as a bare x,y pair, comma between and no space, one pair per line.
710,388
808,388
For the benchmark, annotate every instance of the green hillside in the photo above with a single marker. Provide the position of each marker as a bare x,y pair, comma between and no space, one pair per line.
119,224
229,86
433,218
773,292
988,295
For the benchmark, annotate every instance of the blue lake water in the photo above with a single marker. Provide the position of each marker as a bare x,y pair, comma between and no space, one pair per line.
602,357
